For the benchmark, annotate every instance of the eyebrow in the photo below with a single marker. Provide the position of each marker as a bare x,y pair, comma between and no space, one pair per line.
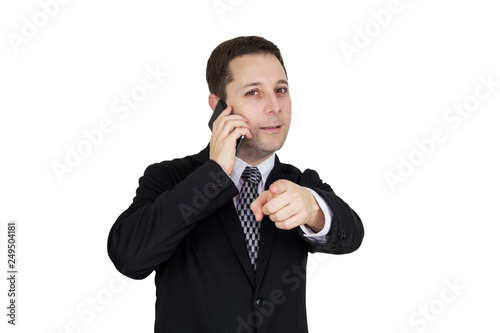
282,81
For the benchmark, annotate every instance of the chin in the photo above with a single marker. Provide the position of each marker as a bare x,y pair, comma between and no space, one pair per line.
273,147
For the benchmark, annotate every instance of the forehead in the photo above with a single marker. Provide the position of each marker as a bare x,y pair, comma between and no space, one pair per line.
260,67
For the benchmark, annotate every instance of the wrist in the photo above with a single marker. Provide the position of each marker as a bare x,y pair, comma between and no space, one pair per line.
317,221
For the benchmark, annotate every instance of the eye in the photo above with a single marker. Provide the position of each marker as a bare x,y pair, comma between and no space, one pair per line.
252,93
282,90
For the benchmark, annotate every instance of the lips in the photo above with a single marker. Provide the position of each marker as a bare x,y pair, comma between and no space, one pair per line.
271,127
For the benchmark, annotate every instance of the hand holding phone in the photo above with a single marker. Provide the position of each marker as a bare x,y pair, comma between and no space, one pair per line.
226,128
221,106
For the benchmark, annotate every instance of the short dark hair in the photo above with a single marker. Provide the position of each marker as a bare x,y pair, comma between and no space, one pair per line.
218,73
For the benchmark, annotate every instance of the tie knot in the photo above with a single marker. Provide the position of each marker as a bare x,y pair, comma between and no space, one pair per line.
251,174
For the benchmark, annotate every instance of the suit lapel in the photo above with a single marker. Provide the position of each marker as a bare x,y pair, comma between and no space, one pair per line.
231,222
268,229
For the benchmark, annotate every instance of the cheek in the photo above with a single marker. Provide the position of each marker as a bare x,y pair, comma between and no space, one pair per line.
287,110
287,117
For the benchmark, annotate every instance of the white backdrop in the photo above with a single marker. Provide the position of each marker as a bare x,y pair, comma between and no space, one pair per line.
403,95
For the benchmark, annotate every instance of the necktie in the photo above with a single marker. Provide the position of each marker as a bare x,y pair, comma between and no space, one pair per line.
251,228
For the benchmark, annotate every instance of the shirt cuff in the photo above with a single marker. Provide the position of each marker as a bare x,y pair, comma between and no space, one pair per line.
327,212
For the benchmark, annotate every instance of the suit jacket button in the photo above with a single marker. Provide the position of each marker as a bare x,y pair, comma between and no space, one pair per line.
341,234
260,302
221,182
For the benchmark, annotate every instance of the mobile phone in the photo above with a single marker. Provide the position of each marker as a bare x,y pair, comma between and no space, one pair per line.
221,106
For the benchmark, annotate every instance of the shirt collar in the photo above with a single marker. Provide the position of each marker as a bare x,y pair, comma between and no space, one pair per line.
264,167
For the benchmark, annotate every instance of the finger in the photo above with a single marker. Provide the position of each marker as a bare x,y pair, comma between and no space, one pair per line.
283,214
238,132
231,117
290,223
227,111
225,116
227,123
258,203
229,134
231,125
280,186
280,201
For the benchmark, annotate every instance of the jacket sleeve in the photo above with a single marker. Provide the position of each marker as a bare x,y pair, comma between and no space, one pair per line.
165,209
346,231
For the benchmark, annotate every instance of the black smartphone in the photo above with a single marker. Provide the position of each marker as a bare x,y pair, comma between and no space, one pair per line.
221,106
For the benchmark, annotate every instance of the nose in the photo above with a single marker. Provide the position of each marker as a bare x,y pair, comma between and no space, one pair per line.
272,104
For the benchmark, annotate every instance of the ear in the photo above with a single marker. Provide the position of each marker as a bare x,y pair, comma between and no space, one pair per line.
212,101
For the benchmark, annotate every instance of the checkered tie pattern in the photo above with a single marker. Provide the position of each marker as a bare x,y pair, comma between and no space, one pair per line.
251,228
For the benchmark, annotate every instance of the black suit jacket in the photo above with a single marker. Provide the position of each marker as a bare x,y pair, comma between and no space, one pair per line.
183,225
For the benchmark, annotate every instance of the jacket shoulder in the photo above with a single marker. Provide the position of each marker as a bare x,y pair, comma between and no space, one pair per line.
306,177
166,174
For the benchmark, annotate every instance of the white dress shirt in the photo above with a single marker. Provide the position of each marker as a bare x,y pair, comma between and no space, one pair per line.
265,169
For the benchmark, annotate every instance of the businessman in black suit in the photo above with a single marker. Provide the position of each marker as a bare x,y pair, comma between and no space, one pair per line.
223,265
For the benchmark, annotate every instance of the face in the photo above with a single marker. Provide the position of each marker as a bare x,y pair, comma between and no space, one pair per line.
259,92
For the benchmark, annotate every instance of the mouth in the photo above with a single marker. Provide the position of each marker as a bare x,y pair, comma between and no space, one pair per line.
271,128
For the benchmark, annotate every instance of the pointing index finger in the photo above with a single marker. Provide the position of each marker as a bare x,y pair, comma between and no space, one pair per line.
257,205
279,187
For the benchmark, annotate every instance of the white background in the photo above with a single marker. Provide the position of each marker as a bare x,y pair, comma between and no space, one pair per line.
364,111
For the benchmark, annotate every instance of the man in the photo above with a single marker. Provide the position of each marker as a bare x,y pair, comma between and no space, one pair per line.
223,265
